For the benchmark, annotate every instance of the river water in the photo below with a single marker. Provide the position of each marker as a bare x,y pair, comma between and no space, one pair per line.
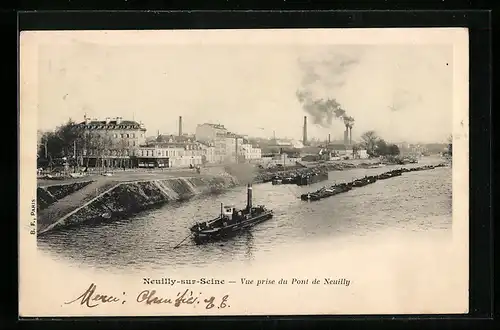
413,202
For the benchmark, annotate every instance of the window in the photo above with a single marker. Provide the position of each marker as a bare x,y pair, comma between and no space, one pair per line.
134,143
133,135
127,136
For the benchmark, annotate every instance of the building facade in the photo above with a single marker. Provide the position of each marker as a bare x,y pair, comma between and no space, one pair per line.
109,142
190,148
233,145
223,146
209,132
276,160
215,135
250,153
208,153
165,156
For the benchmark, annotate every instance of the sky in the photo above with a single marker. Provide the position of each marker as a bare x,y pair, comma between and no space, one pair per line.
404,92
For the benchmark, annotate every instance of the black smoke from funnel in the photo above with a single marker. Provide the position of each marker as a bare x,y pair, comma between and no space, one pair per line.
324,111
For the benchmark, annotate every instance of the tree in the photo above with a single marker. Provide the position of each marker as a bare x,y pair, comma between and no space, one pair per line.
376,146
60,142
369,140
122,149
101,145
393,150
85,144
381,148
68,133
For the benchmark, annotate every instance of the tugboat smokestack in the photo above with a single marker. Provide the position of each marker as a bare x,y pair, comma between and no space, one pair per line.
249,196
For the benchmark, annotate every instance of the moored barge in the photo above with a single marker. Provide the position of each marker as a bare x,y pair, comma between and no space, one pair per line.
312,178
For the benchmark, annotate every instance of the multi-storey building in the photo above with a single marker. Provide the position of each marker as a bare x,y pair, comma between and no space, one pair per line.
233,144
165,156
209,132
250,152
208,152
224,146
216,136
191,147
110,142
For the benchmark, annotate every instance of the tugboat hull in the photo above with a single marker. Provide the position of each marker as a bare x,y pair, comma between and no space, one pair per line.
231,221
216,234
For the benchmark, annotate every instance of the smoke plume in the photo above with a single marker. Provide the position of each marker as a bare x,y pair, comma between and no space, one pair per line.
244,173
328,74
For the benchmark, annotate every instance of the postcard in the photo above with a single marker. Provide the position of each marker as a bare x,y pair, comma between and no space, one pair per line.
243,172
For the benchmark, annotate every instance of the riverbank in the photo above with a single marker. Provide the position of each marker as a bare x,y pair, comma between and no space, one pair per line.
106,198
120,199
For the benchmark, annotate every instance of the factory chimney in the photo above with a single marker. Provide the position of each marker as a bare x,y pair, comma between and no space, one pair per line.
350,135
304,135
180,125
346,136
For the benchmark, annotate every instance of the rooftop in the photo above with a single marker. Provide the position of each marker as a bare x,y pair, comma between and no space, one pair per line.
176,138
213,125
207,144
115,123
230,135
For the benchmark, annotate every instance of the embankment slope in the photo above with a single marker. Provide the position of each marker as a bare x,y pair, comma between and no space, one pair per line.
125,198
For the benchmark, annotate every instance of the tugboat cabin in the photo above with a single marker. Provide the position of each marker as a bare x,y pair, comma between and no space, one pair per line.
227,211
231,214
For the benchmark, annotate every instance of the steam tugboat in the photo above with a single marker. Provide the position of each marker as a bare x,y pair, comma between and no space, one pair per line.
231,221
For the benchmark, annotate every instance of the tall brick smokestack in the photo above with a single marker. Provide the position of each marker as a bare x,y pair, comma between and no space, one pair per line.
350,135
180,125
304,134
346,136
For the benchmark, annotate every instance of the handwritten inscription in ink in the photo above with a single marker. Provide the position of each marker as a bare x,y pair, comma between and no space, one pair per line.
92,298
